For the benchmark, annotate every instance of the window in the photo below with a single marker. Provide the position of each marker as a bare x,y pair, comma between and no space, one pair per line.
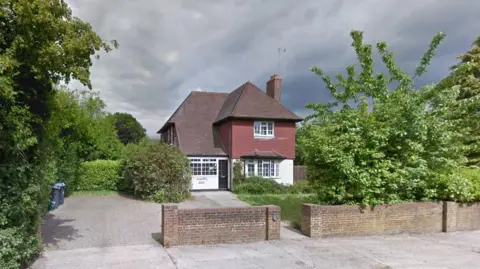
250,171
203,167
262,168
263,128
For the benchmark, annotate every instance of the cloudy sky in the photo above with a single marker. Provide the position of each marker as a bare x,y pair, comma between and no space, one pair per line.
170,47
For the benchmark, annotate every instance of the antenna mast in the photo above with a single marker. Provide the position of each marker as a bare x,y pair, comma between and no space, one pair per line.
279,50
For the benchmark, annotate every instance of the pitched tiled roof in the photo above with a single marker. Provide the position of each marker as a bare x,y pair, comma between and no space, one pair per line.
195,118
248,101
193,123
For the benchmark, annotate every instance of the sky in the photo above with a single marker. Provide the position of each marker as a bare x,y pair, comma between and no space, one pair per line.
171,47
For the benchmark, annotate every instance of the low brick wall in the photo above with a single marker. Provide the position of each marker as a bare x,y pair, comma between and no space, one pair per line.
461,217
324,221
219,225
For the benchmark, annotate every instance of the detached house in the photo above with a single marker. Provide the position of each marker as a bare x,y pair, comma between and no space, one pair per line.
215,130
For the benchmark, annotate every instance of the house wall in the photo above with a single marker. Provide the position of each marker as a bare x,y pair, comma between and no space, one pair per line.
219,225
170,136
225,130
244,142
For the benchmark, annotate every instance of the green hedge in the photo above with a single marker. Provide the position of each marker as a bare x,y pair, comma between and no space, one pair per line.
99,175
259,185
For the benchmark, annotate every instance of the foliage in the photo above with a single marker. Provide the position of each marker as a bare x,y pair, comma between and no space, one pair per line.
129,130
381,141
159,172
466,109
238,176
473,175
299,158
259,185
98,175
41,44
290,204
78,131
301,186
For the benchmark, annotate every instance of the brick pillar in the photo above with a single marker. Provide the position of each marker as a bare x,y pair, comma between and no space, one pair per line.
273,222
169,237
449,217
305,223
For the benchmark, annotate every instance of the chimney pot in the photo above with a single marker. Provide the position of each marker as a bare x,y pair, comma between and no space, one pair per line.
274,87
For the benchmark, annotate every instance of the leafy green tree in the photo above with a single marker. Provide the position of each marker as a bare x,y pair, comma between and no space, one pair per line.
299,158
41,44
129,130
78,131
382,141
466,76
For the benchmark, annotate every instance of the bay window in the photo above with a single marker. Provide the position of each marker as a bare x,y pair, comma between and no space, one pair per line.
262,168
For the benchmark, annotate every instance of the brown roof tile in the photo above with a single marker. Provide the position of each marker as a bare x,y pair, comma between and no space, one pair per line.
248,101
194,119
193,123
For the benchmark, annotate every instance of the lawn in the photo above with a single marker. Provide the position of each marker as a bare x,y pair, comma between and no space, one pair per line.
290,204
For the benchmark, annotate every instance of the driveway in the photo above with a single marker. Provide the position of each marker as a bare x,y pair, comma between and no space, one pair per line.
117,232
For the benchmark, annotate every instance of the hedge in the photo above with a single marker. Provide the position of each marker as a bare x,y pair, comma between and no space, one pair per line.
99,175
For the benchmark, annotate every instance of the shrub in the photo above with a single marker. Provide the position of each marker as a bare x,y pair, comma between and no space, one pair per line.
158,172
98,175
238,176
472,174
259,185
301,186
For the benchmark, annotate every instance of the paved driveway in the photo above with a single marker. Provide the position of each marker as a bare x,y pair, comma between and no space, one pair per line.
117,232
101,221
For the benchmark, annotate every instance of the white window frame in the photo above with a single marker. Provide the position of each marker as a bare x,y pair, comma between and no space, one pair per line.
273,168
203,166
267,126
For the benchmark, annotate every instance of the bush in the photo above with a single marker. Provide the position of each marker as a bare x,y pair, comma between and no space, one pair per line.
238,176
98,175
158,172
301,186
472,174
258,185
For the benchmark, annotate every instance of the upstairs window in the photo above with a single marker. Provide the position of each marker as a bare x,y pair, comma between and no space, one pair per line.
263,129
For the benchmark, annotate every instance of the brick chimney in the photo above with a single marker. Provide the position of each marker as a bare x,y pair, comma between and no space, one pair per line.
274,87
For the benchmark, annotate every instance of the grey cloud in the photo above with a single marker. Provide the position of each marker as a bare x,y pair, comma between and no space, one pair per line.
168,47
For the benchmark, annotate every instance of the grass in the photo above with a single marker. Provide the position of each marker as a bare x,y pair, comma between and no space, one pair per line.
290,204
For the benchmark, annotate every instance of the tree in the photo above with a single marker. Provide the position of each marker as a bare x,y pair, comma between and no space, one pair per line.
382,141
41,44
466,75
129,130
78,130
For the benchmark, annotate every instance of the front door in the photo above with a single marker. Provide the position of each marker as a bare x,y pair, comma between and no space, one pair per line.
223,174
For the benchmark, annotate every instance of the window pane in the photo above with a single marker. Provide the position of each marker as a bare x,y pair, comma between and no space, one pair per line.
263,130
250,169
270,128
256,128
266,169
277,169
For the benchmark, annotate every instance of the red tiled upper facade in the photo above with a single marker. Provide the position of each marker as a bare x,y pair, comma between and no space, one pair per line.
245,123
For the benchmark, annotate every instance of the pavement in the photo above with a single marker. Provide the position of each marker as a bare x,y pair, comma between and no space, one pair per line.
106,232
